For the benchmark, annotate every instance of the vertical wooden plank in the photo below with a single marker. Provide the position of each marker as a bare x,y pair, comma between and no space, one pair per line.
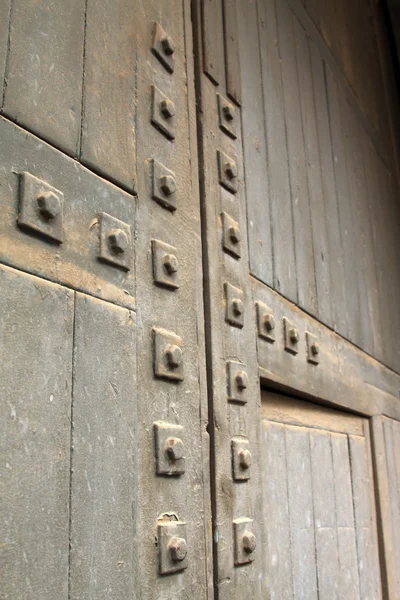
301,513
336,267
44,79
345,215
109,94
303,239
213,40
232,63
104,504
324,515
281,218
5,8
254,146
314,177
276,504
392,446
347,551
368,559
35,385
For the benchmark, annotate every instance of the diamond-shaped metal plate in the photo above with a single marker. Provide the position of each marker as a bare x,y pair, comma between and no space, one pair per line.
165,56
165,125
234,312
230,183
163,340
108,225
165,533
31,189
291,345
157,172
165,462
241,459
240,527
266,325
227,116
236,371
231,236
313,348
165,264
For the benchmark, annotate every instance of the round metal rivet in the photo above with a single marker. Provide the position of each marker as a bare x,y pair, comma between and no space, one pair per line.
242,380
174,356
245,458
249,542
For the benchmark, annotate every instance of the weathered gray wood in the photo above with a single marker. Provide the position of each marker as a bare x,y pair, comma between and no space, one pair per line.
276,503
105,505
324,515
300,492
213,40
254,146
303,238
392,447
232,62
277,212
35,387
367,552
319,225
109,90
329,192
5,7
44,78
347,551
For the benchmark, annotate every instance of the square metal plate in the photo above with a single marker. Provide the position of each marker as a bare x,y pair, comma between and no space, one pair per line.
165,125
231,236
237,375
165,264
31,216
110,226
162,52
166,532
265,322
157,173
234,312
313,348
168,439
229,183
291,345
241,459
227,114
165,342
242,526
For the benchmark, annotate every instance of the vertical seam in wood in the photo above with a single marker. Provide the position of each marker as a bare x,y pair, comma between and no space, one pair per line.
336,528
79,148
71,447
266,155
8,51
313,515
354,510
288,505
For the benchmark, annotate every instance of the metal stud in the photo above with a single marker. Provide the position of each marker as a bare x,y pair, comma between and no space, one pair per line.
115,242
231,235
238,382
234,314
168,355
241,459
172,547
244,540
165,264
291,335
163,185
163,113
228,172
41,207
313,348
163,47
266,325
227,116
169,447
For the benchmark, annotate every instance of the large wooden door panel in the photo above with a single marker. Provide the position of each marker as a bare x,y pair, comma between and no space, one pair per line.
319,510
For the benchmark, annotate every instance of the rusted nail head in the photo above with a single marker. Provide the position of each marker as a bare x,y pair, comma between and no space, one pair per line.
178,549
174,447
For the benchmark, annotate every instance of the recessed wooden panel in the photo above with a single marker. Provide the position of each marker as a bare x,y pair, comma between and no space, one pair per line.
319,509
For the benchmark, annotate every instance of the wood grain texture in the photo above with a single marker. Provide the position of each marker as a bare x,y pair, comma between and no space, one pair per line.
232,61
391,431
105,505
45,69
109,91
5,6
36,372
213,40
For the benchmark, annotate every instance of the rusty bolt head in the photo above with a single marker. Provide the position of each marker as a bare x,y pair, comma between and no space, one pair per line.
168,184
242,380
234,234
249,542
237,306
269,322
177,548
229,112
49,205
171,263
174,356
315,348
174,448
168,45
245,458
293,335
231,170
118,241
167,108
